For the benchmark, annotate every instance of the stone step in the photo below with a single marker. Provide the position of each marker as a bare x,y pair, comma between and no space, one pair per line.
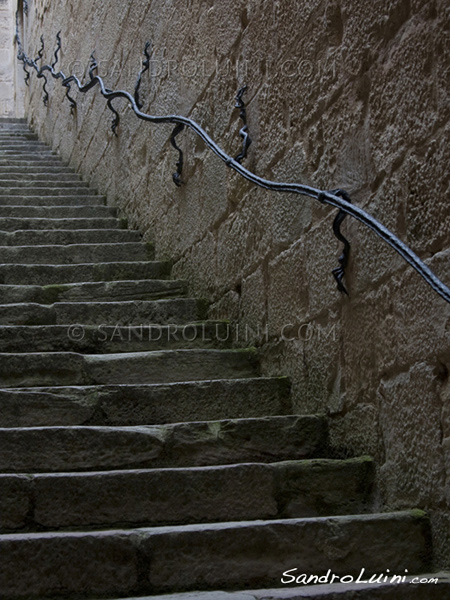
179,496
396,586
19,146
14,129
20,134
217,555
29,170
34,199
7,128
114,405
76,253
36,196
33,184
174,445
29,157
77,314
36,152
58,212
40,192
17,274
4,121
34,139
26,164
41,178
113,291
7,132
165,366
105,339
61,237
11,224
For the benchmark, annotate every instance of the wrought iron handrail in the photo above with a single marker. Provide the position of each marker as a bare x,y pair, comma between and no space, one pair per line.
336,198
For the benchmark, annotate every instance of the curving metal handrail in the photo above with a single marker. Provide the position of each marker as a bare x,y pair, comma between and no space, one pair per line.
336,198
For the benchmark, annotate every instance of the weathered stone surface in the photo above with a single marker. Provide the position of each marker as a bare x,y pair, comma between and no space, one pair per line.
103,339
323,486
76,253
56,212
189,495
19,224
77,563
62,176
80,193
202,443
33,185
68,236
24,164
35,169
135,312
154,404
111,291
69,368
218,553
15,501
60,274
38,200
226,555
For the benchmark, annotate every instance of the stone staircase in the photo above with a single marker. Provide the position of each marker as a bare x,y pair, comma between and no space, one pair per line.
141,455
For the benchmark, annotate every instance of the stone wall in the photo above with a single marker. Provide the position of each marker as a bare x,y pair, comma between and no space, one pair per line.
11,88
341,93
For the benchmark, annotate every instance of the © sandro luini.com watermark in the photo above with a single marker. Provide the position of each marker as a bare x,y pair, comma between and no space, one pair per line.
294,577
202,332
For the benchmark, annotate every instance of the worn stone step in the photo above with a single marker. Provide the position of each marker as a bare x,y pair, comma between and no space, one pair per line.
165,366
48,190
11,224
26,196
76,253
26,164
58,212
179,496
133,312
112,291
11,157
28,155
209,556
396,586
32,142
104,339
197,443
42,178
20,134
26,146
47,200
28,170
5,121
41,184
61,237
17,274
154,404
12,128
39,153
